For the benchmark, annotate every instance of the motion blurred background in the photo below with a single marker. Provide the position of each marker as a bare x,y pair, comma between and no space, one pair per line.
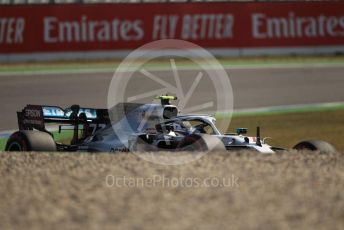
284,58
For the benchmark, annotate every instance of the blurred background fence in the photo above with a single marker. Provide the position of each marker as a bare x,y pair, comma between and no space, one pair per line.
97,1
89,29
128,1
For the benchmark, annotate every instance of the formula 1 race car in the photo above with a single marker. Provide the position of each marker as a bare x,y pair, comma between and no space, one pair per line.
134,127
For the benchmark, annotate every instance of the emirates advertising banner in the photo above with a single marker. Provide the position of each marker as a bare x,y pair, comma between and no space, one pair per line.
102,27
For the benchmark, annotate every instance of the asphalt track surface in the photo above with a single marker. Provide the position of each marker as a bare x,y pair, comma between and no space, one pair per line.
252,88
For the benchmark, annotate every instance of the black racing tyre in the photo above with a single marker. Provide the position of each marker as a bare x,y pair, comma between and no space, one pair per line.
28,140
201,142
315,145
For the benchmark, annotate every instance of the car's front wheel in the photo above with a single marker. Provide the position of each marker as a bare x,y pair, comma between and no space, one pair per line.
315,145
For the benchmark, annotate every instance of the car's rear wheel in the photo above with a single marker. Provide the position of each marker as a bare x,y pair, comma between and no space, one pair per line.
28,140
315,145
202,142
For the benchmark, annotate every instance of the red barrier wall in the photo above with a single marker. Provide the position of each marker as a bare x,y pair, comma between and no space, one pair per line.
103,27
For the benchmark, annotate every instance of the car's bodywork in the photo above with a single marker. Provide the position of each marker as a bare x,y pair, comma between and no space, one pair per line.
130,127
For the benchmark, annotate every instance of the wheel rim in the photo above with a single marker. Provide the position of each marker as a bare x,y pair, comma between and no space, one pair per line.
14,146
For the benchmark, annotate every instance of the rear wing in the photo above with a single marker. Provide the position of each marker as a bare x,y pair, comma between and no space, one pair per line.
37,116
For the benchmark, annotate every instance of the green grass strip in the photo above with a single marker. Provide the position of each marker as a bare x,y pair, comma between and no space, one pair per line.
291,109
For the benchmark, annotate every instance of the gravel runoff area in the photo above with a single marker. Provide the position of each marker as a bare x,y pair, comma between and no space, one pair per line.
241,190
